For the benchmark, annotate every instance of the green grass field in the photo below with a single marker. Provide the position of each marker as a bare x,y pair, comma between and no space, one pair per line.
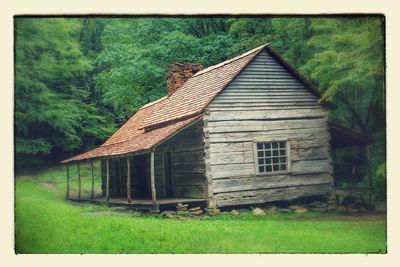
47,223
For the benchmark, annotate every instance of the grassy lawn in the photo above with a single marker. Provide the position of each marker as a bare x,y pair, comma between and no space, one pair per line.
47,223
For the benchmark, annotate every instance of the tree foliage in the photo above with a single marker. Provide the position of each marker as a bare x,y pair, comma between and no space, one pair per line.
53,112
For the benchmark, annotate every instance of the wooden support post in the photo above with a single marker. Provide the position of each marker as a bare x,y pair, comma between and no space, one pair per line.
91,167
67,195
370,185
79,182
128,180
152,180
108,180
119,177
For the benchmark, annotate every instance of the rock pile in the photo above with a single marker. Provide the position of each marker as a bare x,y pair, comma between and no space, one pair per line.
182,209
212,211
196,211
168,214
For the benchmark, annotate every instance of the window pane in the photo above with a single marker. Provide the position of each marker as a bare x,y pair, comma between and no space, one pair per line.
271,156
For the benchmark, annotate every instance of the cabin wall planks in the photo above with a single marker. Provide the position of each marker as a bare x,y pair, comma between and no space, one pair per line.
188,165
266,101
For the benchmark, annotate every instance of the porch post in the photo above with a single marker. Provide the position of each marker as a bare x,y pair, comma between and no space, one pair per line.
108,180
128,180
79,182
152,180
371,205
91,167
67,195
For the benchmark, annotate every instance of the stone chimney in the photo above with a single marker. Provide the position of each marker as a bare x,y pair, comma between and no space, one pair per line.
178,73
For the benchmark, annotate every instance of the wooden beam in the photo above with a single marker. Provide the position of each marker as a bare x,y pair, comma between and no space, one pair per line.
128,180
91,167
120,176
108,180
152,179
67,195
79,181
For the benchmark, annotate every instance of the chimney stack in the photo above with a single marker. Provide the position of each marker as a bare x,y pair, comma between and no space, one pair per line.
178,73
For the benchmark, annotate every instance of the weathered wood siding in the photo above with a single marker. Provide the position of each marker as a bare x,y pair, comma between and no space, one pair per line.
188,179
265,100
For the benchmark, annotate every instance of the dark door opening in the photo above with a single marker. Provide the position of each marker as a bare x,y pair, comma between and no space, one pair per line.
140,179
117,178
168,173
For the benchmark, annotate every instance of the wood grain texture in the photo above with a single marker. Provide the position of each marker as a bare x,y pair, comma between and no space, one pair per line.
270,115
67,189
152,178
273,194
107,180
268,181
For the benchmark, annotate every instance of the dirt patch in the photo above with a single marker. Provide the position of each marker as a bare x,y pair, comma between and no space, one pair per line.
343,217
23,177
50,187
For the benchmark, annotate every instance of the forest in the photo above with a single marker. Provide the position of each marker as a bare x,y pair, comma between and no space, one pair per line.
78,79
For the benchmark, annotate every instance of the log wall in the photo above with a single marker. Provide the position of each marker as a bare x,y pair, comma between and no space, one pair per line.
188,167
265,101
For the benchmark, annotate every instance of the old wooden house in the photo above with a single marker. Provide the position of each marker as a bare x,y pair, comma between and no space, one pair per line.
249,130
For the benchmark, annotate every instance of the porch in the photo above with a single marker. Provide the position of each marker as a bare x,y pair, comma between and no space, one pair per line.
140,203
128,181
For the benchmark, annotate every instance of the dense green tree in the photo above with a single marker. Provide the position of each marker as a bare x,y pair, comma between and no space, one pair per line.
52,113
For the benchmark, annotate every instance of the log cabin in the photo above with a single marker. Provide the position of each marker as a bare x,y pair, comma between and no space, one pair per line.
247,131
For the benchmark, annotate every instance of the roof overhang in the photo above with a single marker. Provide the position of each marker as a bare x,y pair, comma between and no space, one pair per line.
140,144
342,136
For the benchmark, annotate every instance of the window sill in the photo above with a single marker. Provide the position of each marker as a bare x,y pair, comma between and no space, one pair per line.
273,173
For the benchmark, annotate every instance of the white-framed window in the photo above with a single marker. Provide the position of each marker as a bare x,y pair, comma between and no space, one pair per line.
272,156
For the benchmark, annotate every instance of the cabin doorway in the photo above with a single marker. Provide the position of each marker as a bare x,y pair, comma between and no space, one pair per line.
168,173
141,178
118,179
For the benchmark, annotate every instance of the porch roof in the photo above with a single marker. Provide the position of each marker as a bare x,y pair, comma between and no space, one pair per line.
342,136
139,143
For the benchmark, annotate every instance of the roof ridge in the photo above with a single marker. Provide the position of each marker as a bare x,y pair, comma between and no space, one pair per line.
228,61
